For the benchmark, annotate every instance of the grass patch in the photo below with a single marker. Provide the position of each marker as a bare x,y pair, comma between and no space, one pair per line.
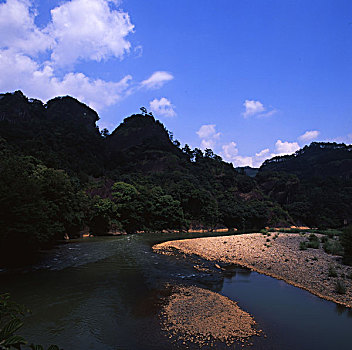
332,246
302,246
313,242
332,271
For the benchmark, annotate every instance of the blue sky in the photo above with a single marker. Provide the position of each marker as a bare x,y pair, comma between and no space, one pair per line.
248,78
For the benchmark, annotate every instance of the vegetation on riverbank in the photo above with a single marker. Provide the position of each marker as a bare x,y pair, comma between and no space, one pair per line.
11,321
61,177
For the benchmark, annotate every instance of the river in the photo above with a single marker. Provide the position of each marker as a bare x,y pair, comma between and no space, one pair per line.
106,294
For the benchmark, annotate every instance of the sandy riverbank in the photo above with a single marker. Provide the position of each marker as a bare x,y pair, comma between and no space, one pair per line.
202,317
280,258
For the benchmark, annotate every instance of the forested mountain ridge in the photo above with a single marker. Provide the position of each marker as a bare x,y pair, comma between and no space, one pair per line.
61,133
319,159
59,173
314,184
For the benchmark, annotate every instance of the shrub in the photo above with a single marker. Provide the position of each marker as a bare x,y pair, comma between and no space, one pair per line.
340,287
11,320
324,239
302,246
332,271
332,246
313,242
346,241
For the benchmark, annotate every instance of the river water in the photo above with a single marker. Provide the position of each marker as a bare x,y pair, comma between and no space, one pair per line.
106,294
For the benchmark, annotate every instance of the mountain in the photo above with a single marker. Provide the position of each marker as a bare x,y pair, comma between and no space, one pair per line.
62,133
252,172
314,185
59,174
319,159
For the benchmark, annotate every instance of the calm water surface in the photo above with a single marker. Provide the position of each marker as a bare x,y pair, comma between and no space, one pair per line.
105,294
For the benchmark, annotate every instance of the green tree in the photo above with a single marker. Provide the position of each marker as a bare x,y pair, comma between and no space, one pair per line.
129,206
346,241
38,206
103,215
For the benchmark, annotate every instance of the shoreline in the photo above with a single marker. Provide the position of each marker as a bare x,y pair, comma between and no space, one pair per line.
200,316
281,259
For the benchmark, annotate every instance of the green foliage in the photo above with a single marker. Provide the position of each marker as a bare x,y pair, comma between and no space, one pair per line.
38,205
146,181
11,315
10,322
346,241
332,271
103,216
314,185
313,242
129,206
332,246
340,287
146,208
302,246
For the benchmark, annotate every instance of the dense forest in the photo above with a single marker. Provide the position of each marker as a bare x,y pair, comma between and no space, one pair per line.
60,176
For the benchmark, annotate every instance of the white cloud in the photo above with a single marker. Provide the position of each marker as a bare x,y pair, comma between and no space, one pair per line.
88,30
309,135
156,80
162,107
263,153
206,131
230,150
207,143
252,108
41,82
256,108
78,30
18,30
243,161
283,148
208,135
230,154
342,139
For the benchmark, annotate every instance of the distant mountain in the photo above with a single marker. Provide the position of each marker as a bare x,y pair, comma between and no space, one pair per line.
252,172
314,185
319,159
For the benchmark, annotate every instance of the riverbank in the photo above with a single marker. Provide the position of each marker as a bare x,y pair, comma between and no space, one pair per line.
203,317
278,256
